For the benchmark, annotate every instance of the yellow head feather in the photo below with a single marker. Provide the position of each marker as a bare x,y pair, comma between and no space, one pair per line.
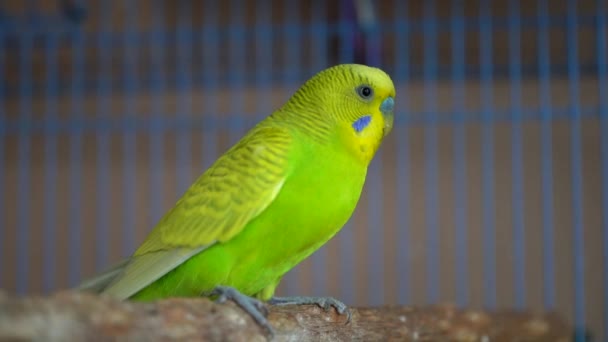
351,100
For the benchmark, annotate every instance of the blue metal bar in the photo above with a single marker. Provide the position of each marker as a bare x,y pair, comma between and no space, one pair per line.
460,160
372,34
347,239
104,85
602,65
184,86
443,73
236,72
319,60
13,127
375,236
487,150
12,26
577,191
348,268
263,55
546,157
50,175
3,239
75,155
23,166
292,31
430,152
129,138
346,31
155,129
519,256
402,62
210,81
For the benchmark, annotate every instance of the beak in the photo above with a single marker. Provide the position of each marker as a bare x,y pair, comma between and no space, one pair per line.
387,109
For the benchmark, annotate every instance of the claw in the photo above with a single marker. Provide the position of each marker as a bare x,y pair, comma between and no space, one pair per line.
261,307
255,308
326,303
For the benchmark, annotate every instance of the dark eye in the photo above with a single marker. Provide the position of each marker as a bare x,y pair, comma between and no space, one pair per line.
365,91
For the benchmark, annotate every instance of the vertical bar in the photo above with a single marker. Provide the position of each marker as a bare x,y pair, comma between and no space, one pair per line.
263,54
347,238
158,44
487,146
460,164
544,64
292,33
577,191
75,155
210,79
519,256
402,74
184,86
375,235
291,73
236,62
129,135
318,36
430,150
371,30
347,267
346,32
602,67
23,166
3,136
104,87
375,180
50,163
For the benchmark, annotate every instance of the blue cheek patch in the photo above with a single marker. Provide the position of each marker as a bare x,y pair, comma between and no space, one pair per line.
362,122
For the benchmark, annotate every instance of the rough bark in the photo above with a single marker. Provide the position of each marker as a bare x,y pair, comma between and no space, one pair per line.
70,316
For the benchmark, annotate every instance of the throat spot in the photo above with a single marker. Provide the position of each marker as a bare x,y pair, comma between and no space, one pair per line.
362,122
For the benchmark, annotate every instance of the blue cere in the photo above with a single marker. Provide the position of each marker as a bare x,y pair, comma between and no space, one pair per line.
387,105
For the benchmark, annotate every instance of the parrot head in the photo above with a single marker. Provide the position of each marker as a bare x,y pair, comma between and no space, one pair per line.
351,102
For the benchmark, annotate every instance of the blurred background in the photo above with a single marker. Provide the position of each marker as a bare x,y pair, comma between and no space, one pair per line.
490,192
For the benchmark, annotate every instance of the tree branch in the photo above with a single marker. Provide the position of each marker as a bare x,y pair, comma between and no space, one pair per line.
71,316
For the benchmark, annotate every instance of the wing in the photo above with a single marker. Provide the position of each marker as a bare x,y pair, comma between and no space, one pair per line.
234,190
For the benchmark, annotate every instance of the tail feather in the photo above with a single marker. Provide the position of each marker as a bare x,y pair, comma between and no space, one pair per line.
100,281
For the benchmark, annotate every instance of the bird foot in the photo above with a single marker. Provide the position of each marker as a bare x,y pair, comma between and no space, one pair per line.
255,308
324,302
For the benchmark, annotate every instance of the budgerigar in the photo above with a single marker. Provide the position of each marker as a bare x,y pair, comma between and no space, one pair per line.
276,196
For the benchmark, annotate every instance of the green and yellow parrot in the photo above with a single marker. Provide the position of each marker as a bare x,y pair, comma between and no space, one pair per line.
276,196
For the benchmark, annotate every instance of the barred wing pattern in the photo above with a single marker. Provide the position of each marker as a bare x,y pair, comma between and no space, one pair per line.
238,187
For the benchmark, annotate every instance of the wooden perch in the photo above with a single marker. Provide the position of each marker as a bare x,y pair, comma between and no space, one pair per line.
70,316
